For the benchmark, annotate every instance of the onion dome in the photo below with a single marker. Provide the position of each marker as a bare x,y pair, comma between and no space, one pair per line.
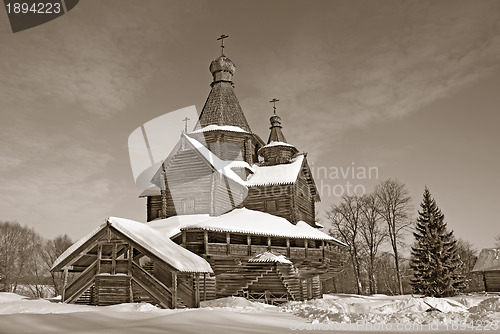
277,151
222,69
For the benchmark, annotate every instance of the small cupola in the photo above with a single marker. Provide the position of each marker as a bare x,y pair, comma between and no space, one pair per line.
277,151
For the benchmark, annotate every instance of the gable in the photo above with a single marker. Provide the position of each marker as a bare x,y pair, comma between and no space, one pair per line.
183,156
306,175
149,241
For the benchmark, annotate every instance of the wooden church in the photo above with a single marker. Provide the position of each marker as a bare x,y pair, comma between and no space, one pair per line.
227,215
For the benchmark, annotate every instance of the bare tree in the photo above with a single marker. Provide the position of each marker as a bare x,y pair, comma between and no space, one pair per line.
17,246
35,271
50,252
468,255
395,209
345,218
373,234
497,241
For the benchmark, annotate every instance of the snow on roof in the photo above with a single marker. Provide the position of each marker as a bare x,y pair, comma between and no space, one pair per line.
152,240
222,166
171,226
318,225
277,143
488,260
278,174
160,245
239,164
214,127
270,257
259,223
76,245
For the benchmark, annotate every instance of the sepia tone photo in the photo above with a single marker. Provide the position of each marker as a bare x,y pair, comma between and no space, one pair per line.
273,166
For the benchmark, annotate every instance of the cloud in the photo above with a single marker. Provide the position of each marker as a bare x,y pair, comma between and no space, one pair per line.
50,181
97,59
347,69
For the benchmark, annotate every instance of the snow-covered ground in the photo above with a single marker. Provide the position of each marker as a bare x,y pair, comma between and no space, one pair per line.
335,313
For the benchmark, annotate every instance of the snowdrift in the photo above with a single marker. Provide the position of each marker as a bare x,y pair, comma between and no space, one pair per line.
235,314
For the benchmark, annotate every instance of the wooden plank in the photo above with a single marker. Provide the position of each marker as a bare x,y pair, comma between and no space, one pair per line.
99,257
81,251
249,244
174,289
65,282
288,247
129,259
204,286
205,242
81,284
152,286
197,290
113,260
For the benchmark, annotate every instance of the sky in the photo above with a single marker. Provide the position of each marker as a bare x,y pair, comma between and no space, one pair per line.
409,89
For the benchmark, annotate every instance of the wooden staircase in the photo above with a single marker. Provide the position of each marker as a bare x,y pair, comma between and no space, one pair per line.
152,286
291,280
233,278
81,284
242,291
87,297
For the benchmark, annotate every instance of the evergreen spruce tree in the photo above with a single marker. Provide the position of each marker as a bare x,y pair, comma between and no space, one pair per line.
434,256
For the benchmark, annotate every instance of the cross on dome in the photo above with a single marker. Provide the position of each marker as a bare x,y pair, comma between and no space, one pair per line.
273,101
221,38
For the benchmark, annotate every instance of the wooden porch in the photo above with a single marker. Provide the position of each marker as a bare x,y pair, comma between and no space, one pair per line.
111,268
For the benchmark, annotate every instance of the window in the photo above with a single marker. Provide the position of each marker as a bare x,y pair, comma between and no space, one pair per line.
216,237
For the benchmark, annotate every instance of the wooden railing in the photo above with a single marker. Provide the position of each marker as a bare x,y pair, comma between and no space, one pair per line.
314,253
185,293
297,252
216,249
242,250
257,249
239,250
152,286
81,284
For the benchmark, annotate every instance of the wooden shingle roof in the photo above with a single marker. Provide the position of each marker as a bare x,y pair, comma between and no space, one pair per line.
222,107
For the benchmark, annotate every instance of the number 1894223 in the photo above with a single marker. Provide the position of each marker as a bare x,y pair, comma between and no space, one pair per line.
34,8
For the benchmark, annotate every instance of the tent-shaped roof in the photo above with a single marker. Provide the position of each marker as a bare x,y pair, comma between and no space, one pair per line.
222,107
152,240
488,260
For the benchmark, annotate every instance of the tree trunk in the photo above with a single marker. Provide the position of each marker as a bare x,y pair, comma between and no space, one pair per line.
398,273
355,266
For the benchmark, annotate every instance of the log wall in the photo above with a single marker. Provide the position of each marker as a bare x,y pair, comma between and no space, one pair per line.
304,204
112,290
491,281
273,199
